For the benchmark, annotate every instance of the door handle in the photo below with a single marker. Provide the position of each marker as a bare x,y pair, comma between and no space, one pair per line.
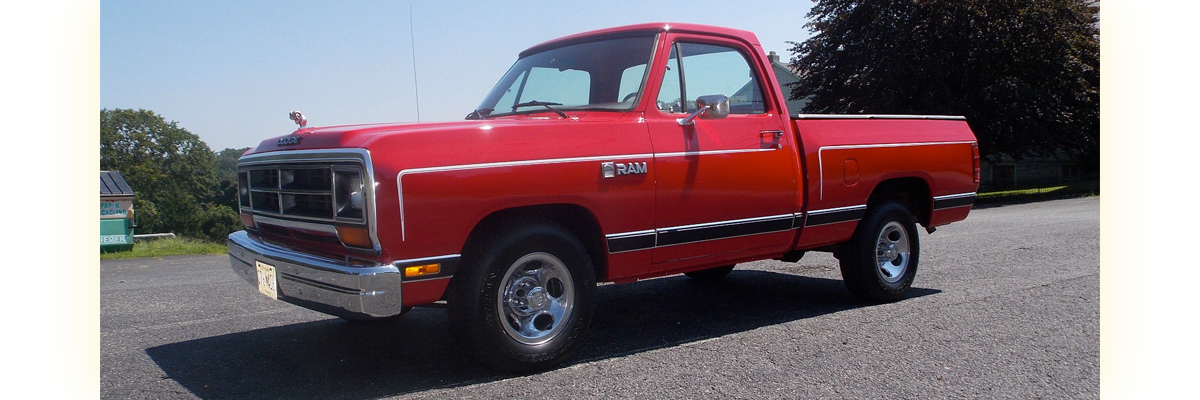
771,138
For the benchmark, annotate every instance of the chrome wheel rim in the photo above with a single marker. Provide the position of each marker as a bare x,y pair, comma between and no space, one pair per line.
536,297
892,252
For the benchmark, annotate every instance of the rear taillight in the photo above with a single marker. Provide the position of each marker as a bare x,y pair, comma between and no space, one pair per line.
975,160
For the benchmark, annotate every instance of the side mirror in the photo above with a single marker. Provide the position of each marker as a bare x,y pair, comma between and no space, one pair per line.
713,106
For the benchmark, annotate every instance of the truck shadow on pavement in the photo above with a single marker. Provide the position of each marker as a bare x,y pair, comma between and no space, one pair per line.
333,358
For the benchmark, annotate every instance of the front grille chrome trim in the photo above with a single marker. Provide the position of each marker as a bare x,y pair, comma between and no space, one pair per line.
332,160
308,226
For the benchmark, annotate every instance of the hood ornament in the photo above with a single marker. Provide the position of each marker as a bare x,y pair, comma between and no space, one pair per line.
298,118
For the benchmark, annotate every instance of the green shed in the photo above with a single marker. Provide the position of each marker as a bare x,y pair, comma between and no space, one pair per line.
116,212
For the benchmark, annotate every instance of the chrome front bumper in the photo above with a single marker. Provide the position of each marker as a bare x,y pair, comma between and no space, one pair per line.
321,284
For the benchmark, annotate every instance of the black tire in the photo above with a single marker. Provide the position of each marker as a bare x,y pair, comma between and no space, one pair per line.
710,274
523,298
880,260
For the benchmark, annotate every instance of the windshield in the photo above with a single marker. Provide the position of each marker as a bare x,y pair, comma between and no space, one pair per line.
602,75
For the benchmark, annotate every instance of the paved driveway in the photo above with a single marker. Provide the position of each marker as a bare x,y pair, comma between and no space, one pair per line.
1006,304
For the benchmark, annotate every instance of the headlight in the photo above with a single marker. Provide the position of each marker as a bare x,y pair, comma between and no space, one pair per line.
348,194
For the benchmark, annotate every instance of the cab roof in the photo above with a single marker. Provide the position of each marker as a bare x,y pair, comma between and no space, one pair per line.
639,29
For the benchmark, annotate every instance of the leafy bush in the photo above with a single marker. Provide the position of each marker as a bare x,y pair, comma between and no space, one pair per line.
217,221
182,186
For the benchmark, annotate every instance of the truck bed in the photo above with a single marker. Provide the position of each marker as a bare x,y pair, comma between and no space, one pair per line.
849,157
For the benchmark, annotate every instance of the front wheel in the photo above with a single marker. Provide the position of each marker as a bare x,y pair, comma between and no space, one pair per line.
880,260
525,297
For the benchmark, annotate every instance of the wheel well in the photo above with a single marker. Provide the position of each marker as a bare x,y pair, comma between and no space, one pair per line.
911,192
577,219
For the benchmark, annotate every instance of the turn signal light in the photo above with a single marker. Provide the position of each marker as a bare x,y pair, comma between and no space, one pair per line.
419,270
356,237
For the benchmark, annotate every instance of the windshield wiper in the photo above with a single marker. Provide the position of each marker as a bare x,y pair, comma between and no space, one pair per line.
546,104
479,114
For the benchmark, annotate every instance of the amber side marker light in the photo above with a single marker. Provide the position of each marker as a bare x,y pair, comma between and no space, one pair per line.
357,237
419,270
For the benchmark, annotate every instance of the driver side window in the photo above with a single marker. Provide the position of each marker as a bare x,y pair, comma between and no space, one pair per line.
706,69
670,94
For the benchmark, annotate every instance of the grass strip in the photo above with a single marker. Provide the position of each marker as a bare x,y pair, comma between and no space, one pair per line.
167,247
1074,189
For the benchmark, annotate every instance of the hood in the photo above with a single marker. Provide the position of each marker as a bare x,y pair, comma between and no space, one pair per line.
479,140
347,136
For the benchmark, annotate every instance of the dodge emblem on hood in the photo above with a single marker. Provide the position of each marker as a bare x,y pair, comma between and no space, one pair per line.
288,141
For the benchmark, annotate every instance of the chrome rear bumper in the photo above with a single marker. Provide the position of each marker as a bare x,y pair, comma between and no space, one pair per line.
321,284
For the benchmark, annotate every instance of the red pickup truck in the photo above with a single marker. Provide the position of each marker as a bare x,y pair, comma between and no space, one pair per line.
608,156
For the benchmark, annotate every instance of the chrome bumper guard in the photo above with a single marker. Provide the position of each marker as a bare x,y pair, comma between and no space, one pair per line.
320,284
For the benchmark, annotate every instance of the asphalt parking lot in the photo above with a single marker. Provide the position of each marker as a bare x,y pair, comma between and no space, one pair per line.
1005,305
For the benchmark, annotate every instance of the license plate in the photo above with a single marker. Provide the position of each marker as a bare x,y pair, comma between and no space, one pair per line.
266,280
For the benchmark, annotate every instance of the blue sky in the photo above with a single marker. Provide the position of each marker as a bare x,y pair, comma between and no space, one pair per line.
231,71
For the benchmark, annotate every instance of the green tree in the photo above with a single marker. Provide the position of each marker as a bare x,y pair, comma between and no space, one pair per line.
226,192
1026,74
172,171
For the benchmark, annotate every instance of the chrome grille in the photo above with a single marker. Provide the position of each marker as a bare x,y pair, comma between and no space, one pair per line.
309,195
295,190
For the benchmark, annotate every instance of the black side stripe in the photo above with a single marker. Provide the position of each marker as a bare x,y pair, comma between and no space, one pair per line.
634,241
953,201
631,242
619,243
833,216
671,236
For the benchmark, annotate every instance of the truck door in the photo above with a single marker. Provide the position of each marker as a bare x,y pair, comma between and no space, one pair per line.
725,187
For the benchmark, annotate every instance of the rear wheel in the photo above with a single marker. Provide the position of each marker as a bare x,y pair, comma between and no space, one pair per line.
525,298
710,274
879,262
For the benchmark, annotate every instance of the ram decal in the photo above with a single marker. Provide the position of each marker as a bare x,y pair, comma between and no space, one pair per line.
611,170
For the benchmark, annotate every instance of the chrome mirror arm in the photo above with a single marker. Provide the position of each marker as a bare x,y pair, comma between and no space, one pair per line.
714,106
691,118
